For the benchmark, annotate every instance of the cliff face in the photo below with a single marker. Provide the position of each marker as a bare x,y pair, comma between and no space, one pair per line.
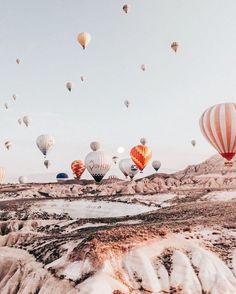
161,234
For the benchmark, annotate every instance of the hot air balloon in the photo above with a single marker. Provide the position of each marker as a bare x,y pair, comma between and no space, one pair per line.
127,103
8,145
78,168
128,168
18,61
14,97
217,124
6,105
97,162
113,178
2,174
84,39
47,163
115,159
143,67
19,121
143,141
69,86
174,46
23,180
126,8
82,78
62,177
45,143
193,142
27,120
156,165
95,145
141,155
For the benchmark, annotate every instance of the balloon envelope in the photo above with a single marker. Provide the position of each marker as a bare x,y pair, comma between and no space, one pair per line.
218,125
62,177
84,39
141,155
98,164
78,168
23,180
27,120
45,143
193,142
128,168
8,144
47,163
156,164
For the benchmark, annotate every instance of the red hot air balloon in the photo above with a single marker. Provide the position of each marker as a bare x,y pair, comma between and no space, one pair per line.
218,125
141,154
78,168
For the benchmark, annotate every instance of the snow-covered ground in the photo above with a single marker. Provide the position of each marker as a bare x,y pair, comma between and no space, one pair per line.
90,209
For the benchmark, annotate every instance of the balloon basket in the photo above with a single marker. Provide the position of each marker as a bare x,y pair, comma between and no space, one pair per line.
229,164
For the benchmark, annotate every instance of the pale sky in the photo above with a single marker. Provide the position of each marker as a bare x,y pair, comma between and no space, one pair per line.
166,101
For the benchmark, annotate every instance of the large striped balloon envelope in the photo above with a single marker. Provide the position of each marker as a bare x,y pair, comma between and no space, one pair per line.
218,125
141,155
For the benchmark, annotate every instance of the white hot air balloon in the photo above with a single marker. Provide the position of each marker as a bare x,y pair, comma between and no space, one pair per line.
193,142
69,86
128,168
6,105
18,60
115,159
156,165
127,103
27,120
126,8
82,78
143,141
120,150
45,143
95,145
2,175
14,97
47,163
97,162
8,145
19,121
23,180
143,67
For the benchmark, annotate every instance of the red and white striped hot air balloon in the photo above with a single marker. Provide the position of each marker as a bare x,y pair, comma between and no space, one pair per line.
218,125
78,168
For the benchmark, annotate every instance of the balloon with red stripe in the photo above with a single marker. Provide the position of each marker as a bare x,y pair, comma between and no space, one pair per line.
78,168
141,155
218,125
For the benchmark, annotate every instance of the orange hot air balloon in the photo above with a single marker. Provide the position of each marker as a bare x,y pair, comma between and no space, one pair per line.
78,168
218,125
141,154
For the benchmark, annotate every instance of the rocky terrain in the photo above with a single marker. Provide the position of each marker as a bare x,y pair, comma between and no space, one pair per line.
166,233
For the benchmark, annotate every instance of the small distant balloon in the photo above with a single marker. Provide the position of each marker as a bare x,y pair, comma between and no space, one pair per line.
8,145
69,86
143,141
47,163
84,39
143,67
126,8
175,46
6,105
95,145
115,159
23,180
193,142
27,120
14,97
82,78
156,164
18,61
45,143
127,103
19,121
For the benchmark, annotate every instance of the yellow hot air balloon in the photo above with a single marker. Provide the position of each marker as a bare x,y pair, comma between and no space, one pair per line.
84,39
